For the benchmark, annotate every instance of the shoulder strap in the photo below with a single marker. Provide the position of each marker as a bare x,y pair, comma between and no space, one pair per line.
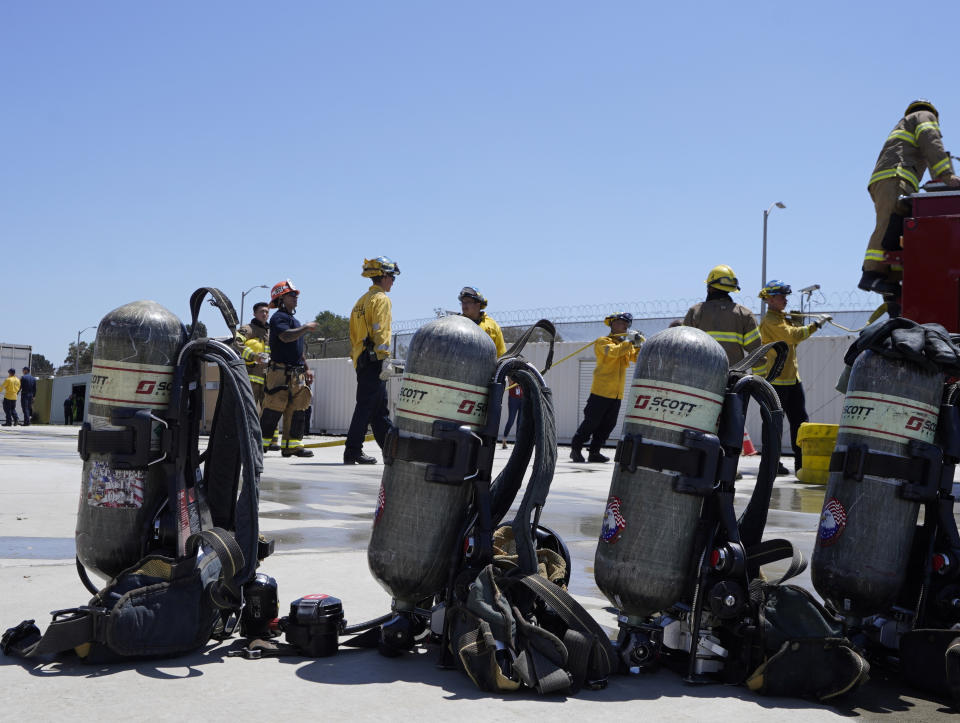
218,299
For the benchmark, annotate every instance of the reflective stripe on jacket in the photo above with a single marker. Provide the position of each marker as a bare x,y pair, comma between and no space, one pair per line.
775,327
371,318
913,146
731,324
613,357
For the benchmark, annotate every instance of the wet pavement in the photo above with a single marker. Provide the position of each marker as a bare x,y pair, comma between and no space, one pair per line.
319,512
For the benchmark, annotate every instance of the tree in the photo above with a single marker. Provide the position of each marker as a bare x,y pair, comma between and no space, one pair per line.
332,326
40,366
201,327
70,365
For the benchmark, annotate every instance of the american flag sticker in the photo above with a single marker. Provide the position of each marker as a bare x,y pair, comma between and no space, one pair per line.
833,520
613,522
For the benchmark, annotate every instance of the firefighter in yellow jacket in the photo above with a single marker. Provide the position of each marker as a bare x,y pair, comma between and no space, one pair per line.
369,347
472,305
913,146
776,327
254,342
614,353
731,324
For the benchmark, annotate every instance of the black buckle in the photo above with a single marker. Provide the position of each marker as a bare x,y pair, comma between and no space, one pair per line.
925,486
705,480
628,449
390,441
851,461
466,446
130,450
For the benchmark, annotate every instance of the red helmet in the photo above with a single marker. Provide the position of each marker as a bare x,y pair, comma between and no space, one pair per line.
282,288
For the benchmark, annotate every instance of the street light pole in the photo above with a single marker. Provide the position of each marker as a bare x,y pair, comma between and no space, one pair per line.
763,271
243,297
76,363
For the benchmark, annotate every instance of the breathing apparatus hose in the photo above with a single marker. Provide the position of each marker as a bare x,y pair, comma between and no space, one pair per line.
537,437
754,518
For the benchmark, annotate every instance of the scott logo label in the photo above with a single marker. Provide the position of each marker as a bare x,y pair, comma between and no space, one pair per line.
915,424
857,410
677,406
146,386
415,395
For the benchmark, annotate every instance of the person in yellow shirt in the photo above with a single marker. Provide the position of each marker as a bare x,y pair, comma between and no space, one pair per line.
614,353
776,327
369,347
11,388
472,305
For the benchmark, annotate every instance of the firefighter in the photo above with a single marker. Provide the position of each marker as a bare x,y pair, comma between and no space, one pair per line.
731,324
776,327
472,305
287,380
369,347
614,353
913,146
253,340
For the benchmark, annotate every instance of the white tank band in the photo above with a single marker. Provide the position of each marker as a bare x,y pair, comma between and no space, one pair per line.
426,399
673,406
123,384
897,419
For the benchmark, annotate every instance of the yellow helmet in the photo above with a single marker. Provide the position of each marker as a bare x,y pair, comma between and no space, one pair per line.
619,316
921,104
722,277
380,266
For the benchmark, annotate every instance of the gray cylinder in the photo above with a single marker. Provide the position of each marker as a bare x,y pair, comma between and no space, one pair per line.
416,525
643,558
133,363
866,529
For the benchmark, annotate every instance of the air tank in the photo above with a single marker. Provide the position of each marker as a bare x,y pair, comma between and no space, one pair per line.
417,523
866,528
643,558
133,364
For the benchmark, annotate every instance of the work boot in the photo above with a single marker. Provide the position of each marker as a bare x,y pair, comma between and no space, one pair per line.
782,470
359,459
576,455
874,281
272,448
298,452
597,457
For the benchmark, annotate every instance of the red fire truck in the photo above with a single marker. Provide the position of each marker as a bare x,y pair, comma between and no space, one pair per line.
930,256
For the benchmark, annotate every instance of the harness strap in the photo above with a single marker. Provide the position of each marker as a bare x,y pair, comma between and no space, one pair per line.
920,470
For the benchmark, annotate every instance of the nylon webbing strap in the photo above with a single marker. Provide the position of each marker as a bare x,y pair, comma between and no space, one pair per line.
573,614
855,462
745,365
104,441
517,346
632,453
415,449
775,550
218,299
225,593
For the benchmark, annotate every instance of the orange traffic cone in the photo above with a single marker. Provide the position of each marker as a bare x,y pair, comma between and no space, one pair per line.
748,448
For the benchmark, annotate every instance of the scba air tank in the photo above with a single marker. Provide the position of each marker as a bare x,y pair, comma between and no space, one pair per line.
416,525
133,364
866,528
643,559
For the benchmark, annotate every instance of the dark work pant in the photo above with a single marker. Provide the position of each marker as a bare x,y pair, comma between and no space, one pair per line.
10,411
794,405
513,413
371,409
26,406
599,419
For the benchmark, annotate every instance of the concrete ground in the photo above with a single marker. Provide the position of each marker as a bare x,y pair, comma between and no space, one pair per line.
319,512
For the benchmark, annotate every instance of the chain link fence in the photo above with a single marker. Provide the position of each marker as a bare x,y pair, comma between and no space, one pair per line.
584,323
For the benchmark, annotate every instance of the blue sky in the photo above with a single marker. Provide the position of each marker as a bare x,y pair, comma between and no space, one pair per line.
556,154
